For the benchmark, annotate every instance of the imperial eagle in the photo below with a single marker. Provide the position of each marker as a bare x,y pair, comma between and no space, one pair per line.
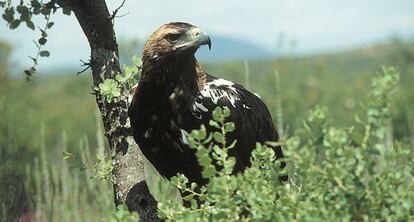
176,95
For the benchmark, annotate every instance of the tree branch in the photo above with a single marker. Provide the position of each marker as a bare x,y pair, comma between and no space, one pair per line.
117,9
128,175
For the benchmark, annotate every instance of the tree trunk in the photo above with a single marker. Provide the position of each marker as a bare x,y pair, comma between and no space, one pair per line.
128,173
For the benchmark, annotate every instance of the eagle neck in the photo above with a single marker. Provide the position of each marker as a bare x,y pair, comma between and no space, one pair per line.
183,72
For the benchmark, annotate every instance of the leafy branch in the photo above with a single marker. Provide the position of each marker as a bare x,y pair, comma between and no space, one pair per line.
346,173
25,13
111,89
100,170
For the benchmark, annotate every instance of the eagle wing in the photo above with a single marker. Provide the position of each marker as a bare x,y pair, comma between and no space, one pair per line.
248,112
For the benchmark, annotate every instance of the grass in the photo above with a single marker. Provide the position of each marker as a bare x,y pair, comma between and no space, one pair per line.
41,119
60,191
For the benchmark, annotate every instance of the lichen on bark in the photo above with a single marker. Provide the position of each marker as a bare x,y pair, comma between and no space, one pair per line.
128,168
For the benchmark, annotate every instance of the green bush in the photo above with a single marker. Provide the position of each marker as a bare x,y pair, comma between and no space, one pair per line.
335,174
334,81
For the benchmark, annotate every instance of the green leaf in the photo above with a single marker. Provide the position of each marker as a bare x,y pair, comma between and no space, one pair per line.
122,214
25,14
209,172
35,3
8,14
50,24
189,197
14,24
180,180
214,124
226,112
136,61
28,73
232,145
20,8
33,59
217,150
36,10
217,114
203,132
66,10
218,137
42,41
44,53
110,89
229,164
66,155
45,10
203,156
30,25
44,34
229,127
272,143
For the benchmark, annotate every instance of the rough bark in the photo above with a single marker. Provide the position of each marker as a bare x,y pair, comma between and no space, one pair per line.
128,174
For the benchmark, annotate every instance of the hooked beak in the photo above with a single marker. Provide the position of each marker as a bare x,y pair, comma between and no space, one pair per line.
196,38
203,39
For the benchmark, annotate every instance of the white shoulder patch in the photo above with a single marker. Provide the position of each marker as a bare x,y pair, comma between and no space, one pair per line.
218,89
212,93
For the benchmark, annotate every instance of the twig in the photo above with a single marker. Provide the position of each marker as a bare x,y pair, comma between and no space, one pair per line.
87,64
366,136
116,10
39,48
120,16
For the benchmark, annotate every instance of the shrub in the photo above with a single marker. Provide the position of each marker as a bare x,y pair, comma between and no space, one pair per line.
346,174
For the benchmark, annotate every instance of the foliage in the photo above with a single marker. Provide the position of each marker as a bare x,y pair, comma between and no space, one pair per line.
122,214
334,175
110,89
23,12
336,81
59,102
113,88
101,169
160,188
64,194
58,193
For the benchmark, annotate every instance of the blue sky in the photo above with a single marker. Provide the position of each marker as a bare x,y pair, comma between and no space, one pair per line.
316,25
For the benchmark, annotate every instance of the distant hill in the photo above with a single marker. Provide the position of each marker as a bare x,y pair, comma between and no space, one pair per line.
229,48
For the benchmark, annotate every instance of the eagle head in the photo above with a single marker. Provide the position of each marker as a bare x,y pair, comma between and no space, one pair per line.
174,41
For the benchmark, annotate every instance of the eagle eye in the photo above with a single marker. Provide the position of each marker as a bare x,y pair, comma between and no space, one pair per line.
173,37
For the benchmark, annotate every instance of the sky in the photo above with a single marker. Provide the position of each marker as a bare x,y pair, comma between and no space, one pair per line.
315,26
